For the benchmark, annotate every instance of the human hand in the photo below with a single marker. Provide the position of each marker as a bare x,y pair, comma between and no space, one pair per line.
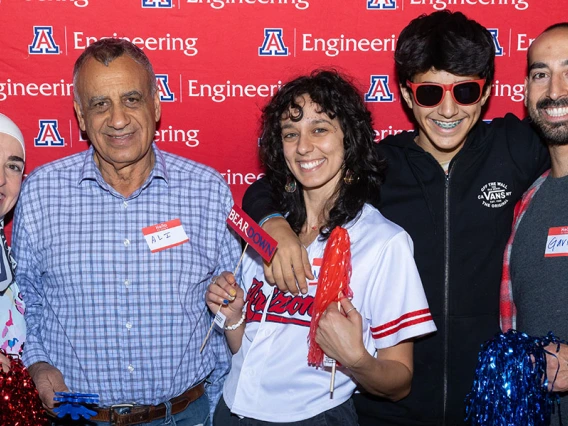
339,336
557,366
47,380
4,363
225,291
290,265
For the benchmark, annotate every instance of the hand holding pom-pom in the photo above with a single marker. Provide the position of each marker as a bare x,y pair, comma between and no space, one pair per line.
4,363
333,283
19,401
512,381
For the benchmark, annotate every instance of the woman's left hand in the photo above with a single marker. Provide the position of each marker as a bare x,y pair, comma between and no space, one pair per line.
339,336
4,363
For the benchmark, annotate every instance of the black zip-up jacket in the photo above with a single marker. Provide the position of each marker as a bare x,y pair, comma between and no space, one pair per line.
459,223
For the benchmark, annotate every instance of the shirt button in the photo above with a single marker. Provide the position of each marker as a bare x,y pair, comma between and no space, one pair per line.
128,325
125,204
127,283
130,368
126,242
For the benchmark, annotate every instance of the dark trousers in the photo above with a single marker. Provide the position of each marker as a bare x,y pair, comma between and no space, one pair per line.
342,415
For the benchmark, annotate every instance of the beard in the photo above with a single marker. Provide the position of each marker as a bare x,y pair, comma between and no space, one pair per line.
555,133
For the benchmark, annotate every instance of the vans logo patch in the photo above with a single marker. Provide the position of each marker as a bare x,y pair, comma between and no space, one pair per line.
494,195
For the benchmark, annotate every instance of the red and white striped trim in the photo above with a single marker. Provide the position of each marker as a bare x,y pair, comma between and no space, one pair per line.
406,320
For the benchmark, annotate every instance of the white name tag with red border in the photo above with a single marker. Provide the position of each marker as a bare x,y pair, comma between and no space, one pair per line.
557,242
316,266
165,235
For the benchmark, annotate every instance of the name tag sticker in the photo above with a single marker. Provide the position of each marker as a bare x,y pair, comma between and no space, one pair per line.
316,266
557,242
219,322
165,235
327,361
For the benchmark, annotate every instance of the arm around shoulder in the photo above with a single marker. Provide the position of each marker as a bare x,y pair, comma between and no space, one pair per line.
257,201
527,149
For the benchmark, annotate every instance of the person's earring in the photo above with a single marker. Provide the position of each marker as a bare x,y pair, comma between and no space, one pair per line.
350,177
290,184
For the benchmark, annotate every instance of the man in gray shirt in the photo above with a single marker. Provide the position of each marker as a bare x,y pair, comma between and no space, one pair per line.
534,290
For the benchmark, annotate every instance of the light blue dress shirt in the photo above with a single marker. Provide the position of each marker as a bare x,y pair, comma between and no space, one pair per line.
113,317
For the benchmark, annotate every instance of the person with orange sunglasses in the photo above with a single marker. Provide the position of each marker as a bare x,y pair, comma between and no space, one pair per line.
452,184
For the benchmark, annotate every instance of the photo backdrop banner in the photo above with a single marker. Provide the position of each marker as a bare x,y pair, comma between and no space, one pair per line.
218,62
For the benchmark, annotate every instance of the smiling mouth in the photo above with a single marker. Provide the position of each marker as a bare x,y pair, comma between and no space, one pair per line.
447,124
309,165
556,112
123,136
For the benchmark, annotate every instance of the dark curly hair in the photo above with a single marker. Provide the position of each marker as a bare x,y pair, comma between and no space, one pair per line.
336,97
446,41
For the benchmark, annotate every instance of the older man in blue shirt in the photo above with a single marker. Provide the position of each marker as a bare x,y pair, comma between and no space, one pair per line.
115,247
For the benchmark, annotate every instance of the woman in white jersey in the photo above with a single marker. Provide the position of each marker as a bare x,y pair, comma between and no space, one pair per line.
316,146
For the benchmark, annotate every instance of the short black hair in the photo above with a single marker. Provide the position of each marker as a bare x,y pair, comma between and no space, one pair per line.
336,97
445,41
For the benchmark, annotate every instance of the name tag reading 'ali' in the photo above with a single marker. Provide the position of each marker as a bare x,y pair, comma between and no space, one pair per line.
165,235
557,242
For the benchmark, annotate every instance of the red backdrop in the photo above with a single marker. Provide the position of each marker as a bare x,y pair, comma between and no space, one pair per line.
218,62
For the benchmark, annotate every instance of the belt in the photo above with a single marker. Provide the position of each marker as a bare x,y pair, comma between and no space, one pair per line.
147,413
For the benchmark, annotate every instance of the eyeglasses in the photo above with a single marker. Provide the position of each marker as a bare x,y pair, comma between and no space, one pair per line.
430,95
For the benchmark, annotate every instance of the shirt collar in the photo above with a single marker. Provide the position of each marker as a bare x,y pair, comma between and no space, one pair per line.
91,172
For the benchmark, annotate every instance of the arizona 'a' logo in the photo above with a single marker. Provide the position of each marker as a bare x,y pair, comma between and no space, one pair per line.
166,95
379,90
49,134
381,4
273,45
495,34
157,3
43,43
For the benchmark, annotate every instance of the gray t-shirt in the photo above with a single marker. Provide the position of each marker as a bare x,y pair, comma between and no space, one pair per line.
540,284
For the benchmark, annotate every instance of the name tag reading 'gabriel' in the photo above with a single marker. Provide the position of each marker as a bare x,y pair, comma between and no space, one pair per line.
557,242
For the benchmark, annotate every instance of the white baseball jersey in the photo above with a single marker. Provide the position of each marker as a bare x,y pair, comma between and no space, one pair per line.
270,378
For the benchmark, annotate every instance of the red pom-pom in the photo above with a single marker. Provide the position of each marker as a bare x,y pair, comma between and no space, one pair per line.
19,401
333,283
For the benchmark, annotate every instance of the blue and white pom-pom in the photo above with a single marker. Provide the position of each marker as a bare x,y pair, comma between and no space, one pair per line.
511,386
75,404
